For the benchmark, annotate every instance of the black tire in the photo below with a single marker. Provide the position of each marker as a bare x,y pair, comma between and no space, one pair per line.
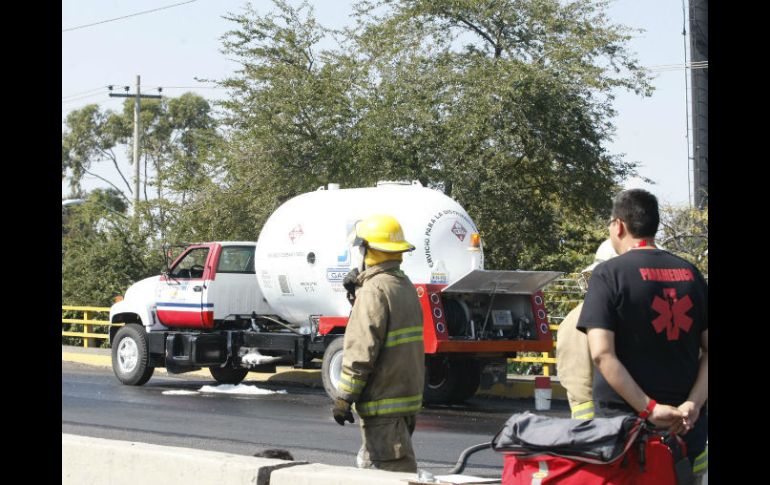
331,368
469,378
131,356
228,375
440,380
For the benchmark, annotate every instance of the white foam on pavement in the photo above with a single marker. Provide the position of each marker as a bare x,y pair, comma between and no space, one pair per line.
239,389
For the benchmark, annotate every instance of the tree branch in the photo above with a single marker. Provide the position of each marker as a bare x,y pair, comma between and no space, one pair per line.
111,156
478,31
105,180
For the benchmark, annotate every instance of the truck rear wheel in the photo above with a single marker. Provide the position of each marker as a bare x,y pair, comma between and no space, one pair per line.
331,368
131,356
469,373
441,380
228,375
450,380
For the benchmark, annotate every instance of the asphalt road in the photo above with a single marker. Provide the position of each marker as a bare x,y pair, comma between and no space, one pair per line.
95,404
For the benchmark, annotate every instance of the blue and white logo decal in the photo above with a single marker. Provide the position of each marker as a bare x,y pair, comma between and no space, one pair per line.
336,275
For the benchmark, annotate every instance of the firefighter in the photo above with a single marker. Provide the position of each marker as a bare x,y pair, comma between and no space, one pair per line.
383,358
573,360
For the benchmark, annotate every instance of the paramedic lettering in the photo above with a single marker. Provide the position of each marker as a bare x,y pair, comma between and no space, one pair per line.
666,274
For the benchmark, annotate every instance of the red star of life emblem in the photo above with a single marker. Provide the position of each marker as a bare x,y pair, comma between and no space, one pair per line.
672,313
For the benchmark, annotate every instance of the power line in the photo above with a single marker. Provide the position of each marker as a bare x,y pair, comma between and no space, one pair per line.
76,97
127,16
676,67
80,98
186,87
82,92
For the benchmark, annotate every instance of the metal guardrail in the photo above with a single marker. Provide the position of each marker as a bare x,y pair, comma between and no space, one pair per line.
89,334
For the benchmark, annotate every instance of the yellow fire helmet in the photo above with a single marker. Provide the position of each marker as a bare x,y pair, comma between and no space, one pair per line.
383,233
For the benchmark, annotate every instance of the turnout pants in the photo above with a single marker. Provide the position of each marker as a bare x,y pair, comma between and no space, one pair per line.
387,444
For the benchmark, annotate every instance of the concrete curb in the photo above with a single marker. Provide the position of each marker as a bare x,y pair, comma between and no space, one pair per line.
518,387
317,474
114,462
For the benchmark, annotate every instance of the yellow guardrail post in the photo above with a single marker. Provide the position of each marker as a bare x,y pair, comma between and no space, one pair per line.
547,367
87,342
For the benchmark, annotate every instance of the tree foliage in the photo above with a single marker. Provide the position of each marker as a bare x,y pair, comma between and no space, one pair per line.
103,251
90,137
101,255
505,106
684,232
180,150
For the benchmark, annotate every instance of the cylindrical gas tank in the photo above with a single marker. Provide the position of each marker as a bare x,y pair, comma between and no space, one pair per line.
303,252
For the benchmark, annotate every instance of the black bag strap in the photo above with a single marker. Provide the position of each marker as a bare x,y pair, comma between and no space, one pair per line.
682,466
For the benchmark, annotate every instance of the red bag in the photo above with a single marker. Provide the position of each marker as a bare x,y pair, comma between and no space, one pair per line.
541,450
654,466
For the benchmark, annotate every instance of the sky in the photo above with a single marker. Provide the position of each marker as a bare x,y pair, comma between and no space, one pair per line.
172,47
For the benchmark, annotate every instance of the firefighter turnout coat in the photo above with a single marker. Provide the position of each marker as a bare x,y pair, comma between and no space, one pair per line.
383,364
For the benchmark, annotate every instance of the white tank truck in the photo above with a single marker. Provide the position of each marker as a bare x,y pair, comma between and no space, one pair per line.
241,306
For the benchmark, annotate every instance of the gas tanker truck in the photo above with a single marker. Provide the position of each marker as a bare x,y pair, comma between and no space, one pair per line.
242,306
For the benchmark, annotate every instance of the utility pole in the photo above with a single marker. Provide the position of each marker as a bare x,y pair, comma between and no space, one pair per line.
699,79
137,106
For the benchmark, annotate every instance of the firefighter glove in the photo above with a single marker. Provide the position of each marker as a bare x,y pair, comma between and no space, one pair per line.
341,412
349,282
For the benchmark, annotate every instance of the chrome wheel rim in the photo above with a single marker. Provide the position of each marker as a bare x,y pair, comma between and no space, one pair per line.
128,355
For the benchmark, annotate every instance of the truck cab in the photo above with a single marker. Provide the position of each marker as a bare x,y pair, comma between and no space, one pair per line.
210,285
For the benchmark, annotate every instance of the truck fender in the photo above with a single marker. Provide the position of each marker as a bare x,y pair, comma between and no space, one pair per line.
126,312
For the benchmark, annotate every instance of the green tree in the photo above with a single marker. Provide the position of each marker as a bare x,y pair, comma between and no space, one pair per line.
90,137
101,257
290,119
505,106
179,153
529,88
684,232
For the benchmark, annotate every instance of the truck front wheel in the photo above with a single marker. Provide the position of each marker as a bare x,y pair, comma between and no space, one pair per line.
131,356
332,367
228,375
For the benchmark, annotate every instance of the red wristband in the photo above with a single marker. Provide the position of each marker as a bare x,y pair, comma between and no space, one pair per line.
644,413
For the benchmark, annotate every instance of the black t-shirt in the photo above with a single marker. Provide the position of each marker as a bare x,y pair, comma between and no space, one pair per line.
656,303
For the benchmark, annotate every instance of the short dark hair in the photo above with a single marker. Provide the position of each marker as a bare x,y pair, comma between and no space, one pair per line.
639,210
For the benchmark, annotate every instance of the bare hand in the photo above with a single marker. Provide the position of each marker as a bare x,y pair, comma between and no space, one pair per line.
690,415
